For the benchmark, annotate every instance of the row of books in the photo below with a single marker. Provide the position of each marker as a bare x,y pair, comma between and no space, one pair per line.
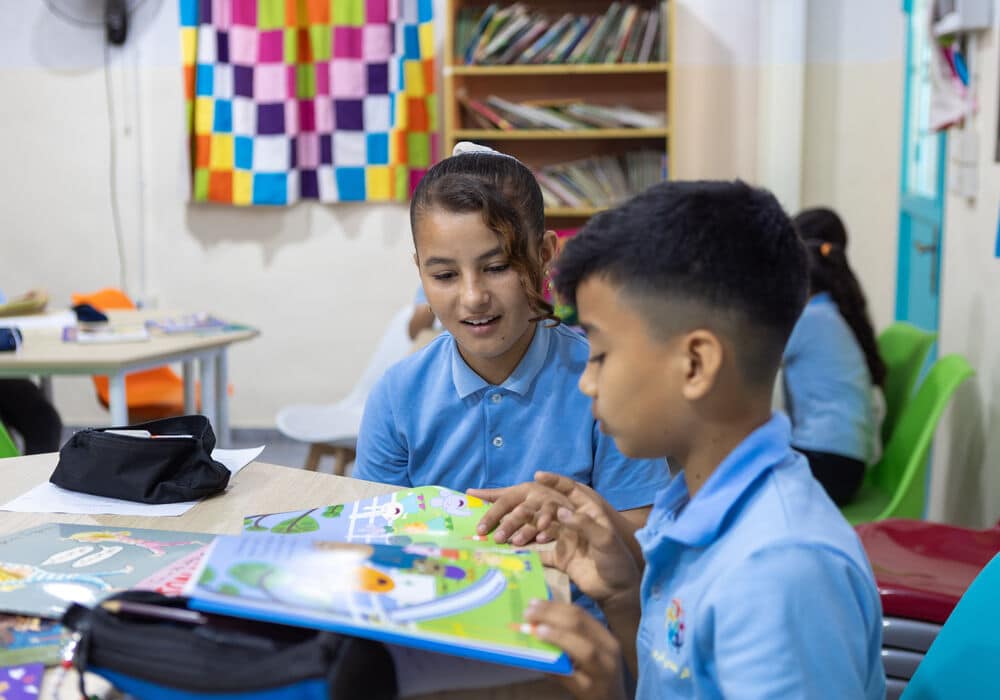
518,34
568,114
601,181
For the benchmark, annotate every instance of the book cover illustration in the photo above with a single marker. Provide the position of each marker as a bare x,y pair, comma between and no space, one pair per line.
460,601
188,323
25,639
21,682
103,333
424,514
44,569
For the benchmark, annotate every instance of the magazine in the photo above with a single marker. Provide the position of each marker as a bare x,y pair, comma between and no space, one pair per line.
467,602
45,569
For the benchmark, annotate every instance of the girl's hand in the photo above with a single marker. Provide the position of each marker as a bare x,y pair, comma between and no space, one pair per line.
595,653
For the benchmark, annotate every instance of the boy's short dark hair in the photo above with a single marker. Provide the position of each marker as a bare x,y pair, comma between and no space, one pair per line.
724,255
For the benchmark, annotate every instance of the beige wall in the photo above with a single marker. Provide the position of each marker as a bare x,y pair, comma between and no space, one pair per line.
853,117
966,465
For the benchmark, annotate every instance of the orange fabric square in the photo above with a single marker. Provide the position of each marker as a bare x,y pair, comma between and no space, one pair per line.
428,66
318,11
189,82
305,51
400,151
202,150
417,109
220,186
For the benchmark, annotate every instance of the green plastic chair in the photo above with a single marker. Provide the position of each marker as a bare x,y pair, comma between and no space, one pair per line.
895,486
962,661
903,348
7,446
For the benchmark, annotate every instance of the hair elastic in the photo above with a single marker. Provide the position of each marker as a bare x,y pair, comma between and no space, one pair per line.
463,147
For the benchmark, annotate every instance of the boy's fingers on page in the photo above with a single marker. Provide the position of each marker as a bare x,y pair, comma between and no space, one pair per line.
562,484
503,505
523,514
487,494
525,534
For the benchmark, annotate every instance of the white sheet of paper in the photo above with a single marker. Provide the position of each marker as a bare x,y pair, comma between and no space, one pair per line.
54,321
49,498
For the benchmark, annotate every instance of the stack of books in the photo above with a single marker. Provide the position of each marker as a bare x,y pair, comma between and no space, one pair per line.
568,114
518,34
601,181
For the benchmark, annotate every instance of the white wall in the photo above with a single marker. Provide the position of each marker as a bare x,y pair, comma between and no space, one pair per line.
319,281
966,465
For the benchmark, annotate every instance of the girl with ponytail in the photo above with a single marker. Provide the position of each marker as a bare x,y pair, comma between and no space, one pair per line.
831,364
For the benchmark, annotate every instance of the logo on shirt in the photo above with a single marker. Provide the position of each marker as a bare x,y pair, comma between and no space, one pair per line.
675,624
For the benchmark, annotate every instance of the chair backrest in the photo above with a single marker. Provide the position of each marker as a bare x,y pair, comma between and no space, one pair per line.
107,299
392,348
7,446
903,466
962,661
903,348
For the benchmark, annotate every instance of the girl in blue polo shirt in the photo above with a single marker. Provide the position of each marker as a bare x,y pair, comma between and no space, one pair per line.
831,364
493,398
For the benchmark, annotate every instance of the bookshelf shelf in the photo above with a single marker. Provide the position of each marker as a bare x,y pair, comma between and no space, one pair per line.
546,134
586,168
560,69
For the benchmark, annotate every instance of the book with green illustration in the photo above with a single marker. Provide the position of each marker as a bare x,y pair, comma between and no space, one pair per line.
462,601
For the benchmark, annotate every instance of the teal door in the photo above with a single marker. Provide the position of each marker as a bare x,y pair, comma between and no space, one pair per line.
921,201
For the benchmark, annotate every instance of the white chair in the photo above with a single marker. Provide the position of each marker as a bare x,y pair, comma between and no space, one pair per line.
332,429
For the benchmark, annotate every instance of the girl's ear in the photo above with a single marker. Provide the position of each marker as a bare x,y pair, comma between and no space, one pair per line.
703,353
550,244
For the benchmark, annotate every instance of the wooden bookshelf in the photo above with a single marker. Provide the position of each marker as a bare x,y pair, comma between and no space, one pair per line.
643,86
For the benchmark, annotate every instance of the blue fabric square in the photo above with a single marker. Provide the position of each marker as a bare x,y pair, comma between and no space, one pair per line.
204,79
223,123
378,149
411,42
270,188
425,10
351,184
243,147
189,13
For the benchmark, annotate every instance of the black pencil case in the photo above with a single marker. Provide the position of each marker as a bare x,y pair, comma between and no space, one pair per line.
158,469
158,659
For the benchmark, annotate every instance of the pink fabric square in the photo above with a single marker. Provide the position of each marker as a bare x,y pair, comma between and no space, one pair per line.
322,79
292,81
415,175
291,117
269,83
393,10
324,115
222,14
242,46
376,11
307,115
271,48
245,13
377,42
347,78
347,42
308,150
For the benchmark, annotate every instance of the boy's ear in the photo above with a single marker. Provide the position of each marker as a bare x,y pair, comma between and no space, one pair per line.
416,261
703,353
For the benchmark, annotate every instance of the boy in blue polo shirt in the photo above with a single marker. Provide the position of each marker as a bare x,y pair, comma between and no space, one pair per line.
753,584
494,398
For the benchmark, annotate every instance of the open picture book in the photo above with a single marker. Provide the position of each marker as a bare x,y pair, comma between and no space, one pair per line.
405,568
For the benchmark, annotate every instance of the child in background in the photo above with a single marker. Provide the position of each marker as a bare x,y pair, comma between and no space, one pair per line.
753,583
831,364
494,397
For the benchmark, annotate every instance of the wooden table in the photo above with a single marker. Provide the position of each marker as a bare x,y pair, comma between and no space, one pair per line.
258,488
45,354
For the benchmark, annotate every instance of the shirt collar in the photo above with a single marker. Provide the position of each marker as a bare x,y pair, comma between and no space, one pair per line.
820,298
703,516
467,382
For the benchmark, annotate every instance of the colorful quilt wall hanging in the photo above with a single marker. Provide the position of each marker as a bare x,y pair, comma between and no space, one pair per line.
329,100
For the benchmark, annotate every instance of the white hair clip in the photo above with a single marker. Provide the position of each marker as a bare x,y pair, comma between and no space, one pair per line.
463,147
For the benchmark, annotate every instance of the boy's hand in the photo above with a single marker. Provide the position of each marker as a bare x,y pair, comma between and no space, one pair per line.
522,513
595,653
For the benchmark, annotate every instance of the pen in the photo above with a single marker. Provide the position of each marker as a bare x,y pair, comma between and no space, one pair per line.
162,612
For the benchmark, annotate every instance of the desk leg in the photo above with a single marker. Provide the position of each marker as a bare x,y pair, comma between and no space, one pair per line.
117,399
190,400
209,407
222,397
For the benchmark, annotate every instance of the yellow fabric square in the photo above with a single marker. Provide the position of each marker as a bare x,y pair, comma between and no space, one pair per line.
426,36
189,46
377,183
242,187
204,110
402,115
222,152
413,73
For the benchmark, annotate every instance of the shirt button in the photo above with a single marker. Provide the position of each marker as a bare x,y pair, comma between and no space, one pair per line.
498,441
496,398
